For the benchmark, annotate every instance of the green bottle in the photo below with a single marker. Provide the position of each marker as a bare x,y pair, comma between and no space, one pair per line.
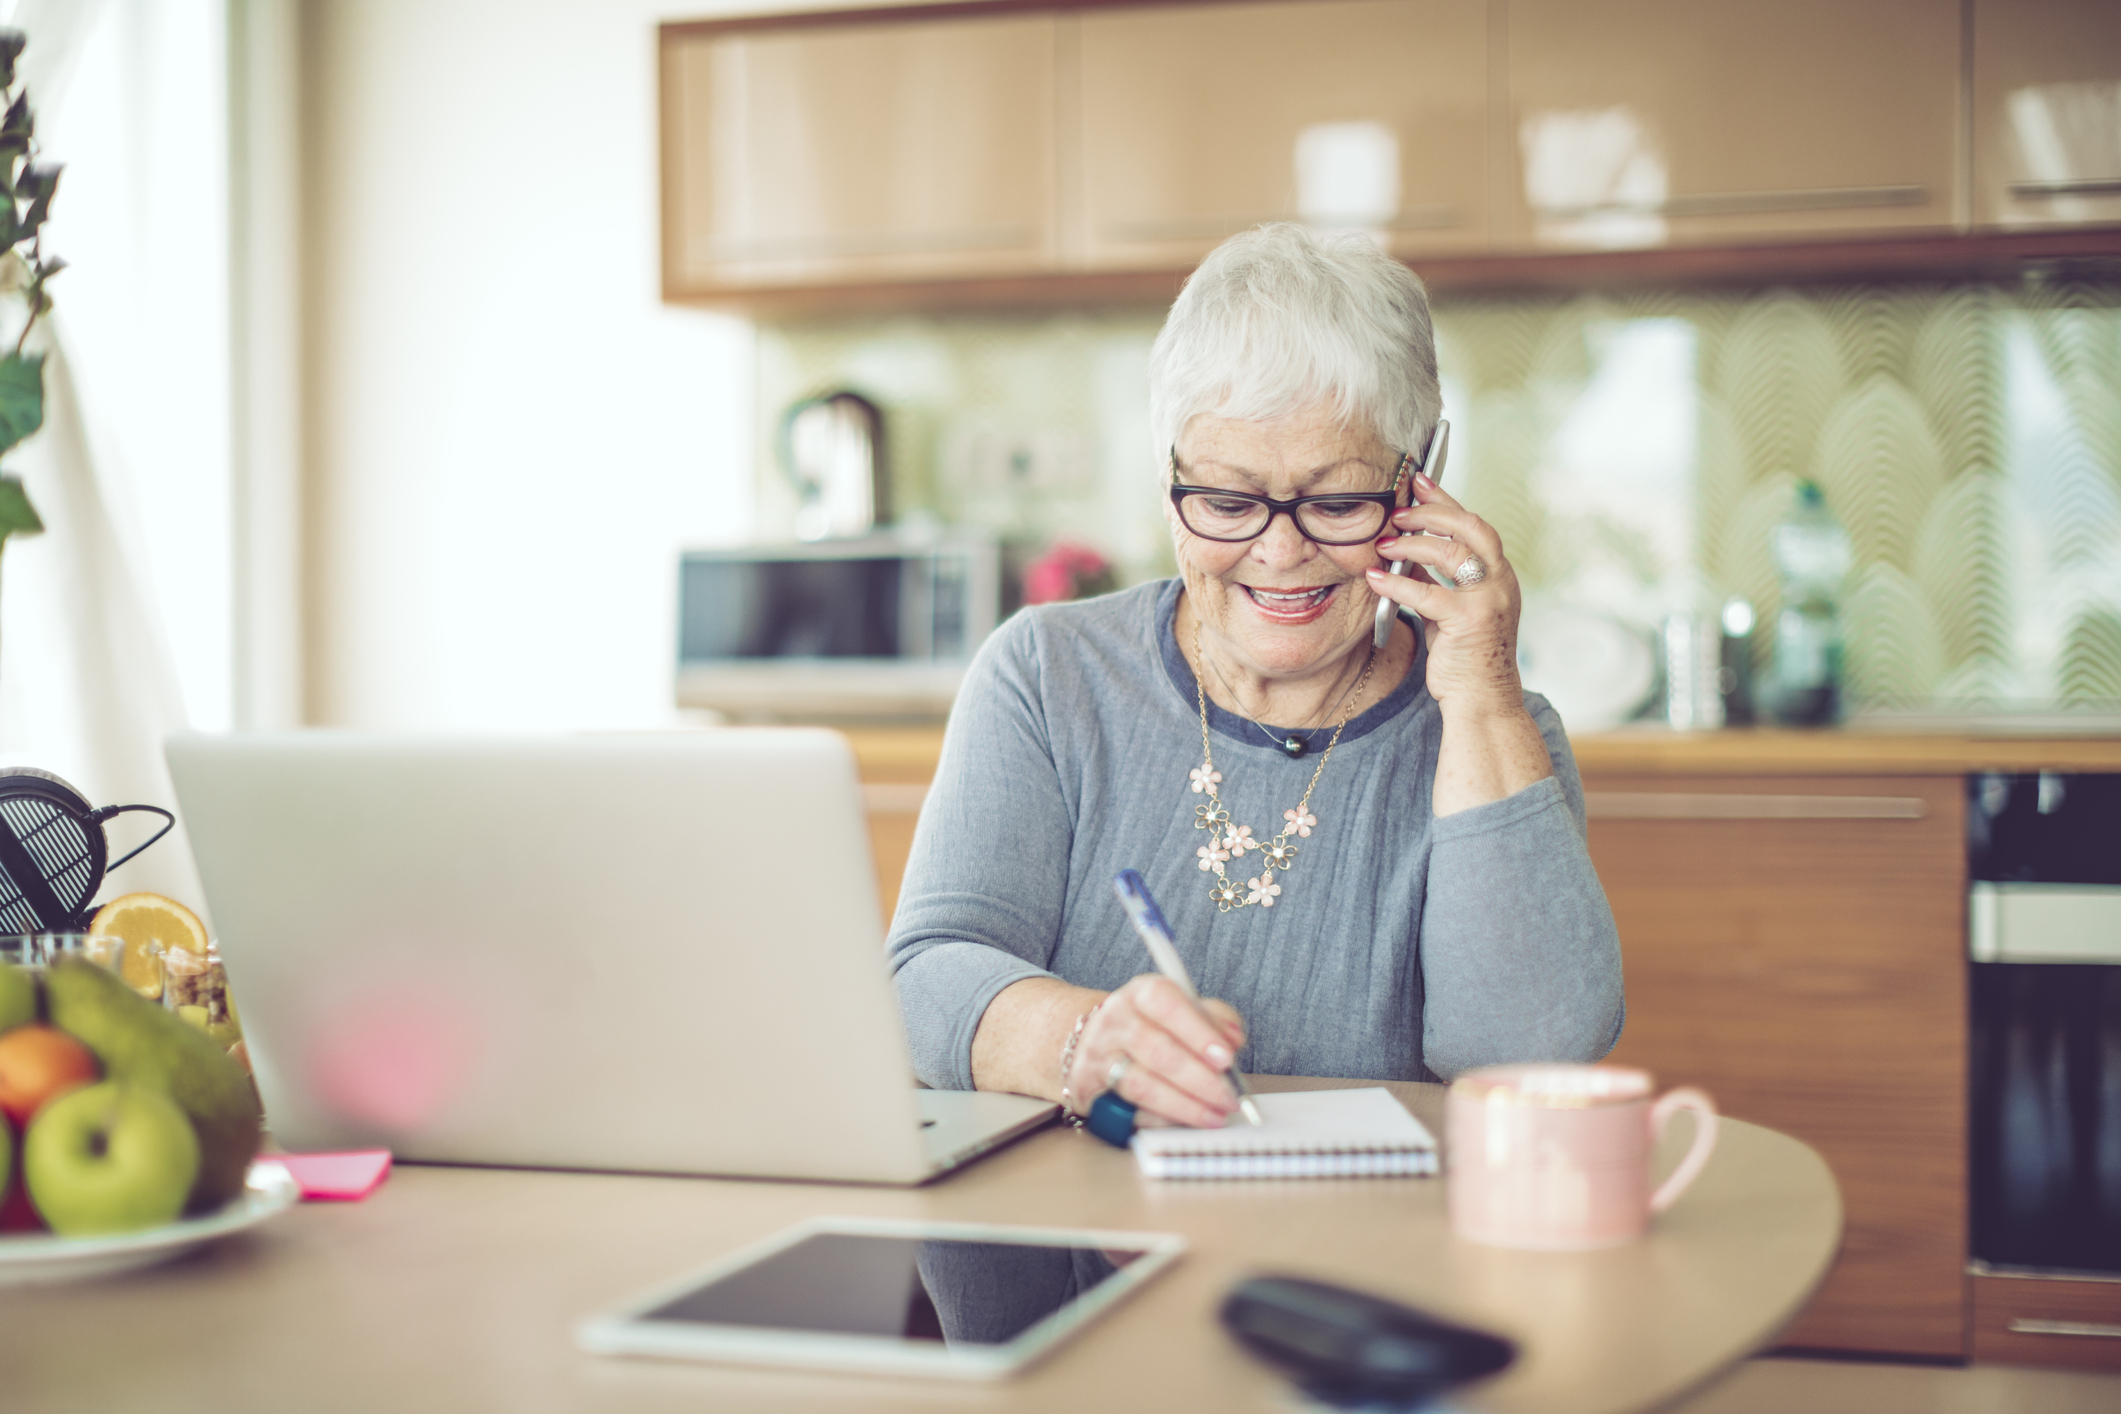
1812,555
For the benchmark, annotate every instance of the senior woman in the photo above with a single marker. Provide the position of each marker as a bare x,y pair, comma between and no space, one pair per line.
1374,856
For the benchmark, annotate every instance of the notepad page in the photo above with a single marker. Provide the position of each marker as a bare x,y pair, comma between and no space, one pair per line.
1303,1122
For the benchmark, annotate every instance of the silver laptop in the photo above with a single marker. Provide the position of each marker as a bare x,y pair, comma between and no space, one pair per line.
655,952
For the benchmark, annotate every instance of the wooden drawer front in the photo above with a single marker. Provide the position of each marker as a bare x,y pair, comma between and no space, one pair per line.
1694,122
1193,119
848,153
2038,66
1810,974
2032,1321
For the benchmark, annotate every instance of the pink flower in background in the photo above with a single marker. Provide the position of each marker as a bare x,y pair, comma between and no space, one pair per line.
1067,571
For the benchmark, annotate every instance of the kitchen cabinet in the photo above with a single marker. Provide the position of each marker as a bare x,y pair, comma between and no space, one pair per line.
1197,122
1655,122
1796,947
2046,112
1013,152
849,153
2043,1321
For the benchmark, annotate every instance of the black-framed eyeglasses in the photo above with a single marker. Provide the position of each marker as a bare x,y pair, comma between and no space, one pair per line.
1347,518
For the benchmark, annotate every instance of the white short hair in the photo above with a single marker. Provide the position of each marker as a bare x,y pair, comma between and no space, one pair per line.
1283,316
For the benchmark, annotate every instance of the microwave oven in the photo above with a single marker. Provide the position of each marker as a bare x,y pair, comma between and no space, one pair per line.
879,626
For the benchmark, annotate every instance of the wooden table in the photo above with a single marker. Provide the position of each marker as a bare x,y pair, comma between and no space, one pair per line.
457,1289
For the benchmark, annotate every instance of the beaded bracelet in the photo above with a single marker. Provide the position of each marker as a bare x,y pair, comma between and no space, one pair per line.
1067,1064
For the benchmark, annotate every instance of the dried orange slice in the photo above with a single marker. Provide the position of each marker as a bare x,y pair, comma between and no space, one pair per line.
147,926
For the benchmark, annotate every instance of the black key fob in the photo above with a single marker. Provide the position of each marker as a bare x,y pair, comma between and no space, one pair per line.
1352,1349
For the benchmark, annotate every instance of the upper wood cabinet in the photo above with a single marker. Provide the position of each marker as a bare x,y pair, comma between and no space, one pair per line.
857,152
977,151
1652,122
2047,112
1197,122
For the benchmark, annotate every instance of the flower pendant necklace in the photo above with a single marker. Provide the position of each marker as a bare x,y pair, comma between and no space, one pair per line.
1227,841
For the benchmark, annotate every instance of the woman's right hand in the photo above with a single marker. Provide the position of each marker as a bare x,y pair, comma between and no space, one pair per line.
1175,1055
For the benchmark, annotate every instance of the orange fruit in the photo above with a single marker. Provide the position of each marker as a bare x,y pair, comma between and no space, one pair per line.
38,1064
148,925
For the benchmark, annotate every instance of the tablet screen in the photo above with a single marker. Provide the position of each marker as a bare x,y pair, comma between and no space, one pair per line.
903,1288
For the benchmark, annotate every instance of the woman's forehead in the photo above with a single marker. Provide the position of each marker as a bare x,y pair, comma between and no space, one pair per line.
1345,473
1298,449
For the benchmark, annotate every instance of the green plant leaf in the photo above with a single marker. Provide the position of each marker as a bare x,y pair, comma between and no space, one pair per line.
17,515
12,42
20,122
21,397
38,182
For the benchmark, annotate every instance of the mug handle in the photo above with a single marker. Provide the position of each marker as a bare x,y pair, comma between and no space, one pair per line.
1697,1157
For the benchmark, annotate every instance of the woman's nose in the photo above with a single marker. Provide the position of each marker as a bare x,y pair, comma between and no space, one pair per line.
1281,543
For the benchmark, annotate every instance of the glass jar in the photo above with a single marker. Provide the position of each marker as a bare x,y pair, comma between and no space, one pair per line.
195,987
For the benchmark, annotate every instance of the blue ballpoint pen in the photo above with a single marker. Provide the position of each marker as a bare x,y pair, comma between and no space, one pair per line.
1148,921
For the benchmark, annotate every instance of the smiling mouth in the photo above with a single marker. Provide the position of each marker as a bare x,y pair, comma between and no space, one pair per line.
1298,606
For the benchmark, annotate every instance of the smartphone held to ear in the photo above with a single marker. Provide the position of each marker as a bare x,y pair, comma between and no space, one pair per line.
1432,463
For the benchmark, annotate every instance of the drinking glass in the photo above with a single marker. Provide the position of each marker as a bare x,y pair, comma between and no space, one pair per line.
142,971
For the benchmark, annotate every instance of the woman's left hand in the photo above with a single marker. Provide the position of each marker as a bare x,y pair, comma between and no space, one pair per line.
1473,630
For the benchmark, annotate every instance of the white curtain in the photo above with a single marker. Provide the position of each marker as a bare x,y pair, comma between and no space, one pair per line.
88,686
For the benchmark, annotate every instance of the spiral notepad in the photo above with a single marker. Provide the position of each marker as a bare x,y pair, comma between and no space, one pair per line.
1310,1134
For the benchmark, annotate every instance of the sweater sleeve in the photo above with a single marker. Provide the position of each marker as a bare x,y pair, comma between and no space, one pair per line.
1520,960
975,913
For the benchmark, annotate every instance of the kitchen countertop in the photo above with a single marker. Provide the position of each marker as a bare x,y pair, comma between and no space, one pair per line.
1837,751
908,753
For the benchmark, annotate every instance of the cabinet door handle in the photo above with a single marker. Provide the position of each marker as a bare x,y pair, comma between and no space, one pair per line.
855,243
2098,1330
1685,805
1215,228
1741,203
2074,186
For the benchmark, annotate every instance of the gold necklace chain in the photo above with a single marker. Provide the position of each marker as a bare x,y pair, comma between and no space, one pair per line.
1227,841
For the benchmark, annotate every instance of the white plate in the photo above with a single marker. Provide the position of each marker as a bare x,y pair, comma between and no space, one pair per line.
269,1190
1594,669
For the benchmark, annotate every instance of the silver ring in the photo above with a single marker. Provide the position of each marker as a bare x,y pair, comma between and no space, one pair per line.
1471,571
1117,1072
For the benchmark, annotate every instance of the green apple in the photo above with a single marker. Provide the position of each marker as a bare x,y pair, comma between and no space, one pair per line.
108,1158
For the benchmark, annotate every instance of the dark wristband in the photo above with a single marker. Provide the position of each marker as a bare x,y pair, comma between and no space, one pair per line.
1111,1119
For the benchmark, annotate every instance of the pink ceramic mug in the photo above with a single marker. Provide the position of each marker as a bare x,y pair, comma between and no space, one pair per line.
1557,1157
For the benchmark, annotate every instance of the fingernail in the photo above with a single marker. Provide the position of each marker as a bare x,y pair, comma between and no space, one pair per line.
1218,1055
1375,574
1423,479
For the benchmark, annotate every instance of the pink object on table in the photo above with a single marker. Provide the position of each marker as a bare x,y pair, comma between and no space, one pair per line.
349,1177
1556,1157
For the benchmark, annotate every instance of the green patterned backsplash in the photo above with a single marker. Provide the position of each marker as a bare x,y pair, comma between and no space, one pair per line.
1633,449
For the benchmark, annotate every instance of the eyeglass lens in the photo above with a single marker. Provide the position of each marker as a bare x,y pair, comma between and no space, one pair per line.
1330,522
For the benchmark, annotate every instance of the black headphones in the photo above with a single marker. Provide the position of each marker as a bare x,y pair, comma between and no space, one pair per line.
53,855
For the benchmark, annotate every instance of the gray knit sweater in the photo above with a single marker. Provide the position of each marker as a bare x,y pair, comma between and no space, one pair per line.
1403,947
